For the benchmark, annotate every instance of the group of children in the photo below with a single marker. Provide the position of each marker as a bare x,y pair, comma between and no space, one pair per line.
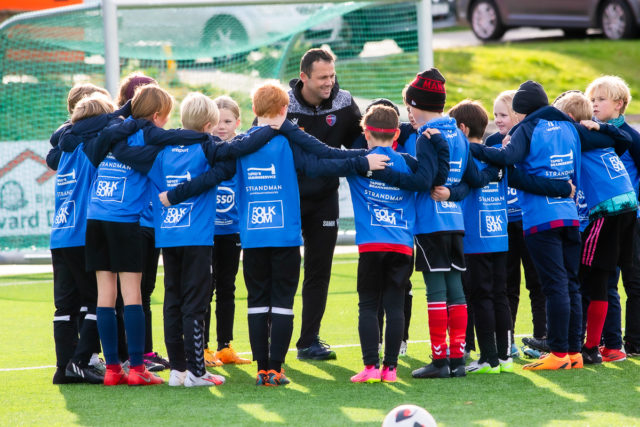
472,208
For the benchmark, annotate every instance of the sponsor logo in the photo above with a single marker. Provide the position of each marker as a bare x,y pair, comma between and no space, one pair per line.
455,166
448,207
225,199
385,217
614,165
268,214
331,119
559,160
110,188
175,180
67,178
177,216
328,223
262,173
65,217
493,223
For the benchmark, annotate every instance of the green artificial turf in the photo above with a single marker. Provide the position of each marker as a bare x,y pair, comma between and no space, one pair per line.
320,393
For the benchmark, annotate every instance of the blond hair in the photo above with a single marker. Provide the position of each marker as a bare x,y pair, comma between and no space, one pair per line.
575,104
506,97
613,87
151,99
80,91
93,105
196,110
228,103
268,100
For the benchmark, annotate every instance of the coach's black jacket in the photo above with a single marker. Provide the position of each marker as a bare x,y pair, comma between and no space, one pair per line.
336,122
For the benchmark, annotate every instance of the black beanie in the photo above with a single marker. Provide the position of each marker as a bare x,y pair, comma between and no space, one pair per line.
382,101
529,97
427,91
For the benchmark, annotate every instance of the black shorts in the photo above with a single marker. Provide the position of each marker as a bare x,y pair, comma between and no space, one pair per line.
379,270
439,252
608,241
113,246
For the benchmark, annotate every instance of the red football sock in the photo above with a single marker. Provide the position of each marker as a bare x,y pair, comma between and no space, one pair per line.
438,328
558,354
139,368
457,330
596,314
116,367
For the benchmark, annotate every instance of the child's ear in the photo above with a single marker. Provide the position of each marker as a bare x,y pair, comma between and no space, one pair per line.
208,127
464,129
283,111
396,135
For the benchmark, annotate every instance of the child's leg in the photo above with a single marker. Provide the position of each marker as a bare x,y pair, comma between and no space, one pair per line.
380,320
467,287
106,316
172,312
437,313
538,300
227,254
285,273
66,300
571,257
195,284
397,270
88,290
133,316
612,329
457,314
479,271
504,326
257,277
516,243
631,282
150,257
408,306
546,250
370,282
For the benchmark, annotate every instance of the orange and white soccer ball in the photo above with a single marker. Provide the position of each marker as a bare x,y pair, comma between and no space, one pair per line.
410,416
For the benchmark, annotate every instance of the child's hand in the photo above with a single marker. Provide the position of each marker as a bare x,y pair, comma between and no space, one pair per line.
573,188
590,124
164,199
430,131
377,161
506,140
440,193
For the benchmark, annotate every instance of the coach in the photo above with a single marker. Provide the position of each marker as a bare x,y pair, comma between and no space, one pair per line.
319,107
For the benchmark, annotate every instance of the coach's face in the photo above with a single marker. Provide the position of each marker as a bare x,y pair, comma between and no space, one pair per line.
317,86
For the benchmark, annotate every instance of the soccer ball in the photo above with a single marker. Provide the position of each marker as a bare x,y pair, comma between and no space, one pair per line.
410,416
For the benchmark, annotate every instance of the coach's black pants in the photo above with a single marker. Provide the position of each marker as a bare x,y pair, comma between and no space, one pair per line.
271,276
382,280
320,232
73,288
518,252
187,285
226,259
487,285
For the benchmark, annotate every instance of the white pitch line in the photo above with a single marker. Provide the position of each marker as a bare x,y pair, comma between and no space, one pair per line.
242,353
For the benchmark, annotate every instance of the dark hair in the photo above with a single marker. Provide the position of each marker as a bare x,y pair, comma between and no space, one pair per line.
382,101
314,55
473,115
382,117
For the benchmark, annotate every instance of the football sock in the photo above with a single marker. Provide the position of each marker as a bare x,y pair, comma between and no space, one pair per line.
134,326
457,329
108,330
437,312
596,315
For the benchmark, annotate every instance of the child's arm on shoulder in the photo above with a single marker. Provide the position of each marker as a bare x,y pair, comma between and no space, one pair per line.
455,193
539,185
314,146
243,144
515,151
428,162
313,166
595,135
53,157
140,158
479,178
222,171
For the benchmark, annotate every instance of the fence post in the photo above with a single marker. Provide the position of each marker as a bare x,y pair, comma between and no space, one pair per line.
425,34
111,48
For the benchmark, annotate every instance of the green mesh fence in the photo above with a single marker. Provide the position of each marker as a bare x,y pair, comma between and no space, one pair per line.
216,50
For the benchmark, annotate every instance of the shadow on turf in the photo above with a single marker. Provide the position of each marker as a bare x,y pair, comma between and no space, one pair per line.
534,398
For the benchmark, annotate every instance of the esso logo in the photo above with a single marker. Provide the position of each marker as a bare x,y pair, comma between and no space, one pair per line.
225,199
